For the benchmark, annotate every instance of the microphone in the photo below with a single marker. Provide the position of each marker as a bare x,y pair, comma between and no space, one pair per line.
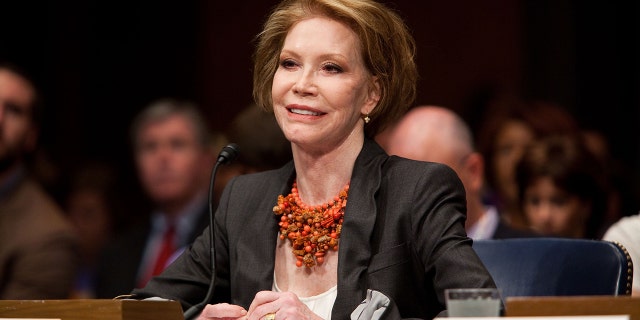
226,156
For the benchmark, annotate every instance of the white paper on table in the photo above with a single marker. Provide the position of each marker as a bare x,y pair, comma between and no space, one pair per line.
611,317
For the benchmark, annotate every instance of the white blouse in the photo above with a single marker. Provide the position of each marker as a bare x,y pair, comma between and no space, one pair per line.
320,304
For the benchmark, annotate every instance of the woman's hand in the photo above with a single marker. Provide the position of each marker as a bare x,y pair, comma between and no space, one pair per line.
222,311
285,305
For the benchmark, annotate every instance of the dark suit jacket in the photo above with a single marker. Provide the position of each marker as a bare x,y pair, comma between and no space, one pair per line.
121,259
403,235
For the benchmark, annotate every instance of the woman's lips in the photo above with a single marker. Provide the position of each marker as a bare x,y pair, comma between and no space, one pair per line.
304,110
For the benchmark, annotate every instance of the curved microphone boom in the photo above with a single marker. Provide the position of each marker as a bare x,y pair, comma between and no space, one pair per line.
226,156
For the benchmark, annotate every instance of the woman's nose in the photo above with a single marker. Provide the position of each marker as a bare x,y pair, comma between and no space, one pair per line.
305,83
545,212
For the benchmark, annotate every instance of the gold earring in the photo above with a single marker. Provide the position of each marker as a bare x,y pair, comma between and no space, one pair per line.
366,118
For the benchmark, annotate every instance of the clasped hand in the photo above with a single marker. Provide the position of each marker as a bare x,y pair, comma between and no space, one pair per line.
285,305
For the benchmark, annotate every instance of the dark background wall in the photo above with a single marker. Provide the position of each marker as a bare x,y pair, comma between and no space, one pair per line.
99,62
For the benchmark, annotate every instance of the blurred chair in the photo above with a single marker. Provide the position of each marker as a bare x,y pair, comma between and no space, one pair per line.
556,266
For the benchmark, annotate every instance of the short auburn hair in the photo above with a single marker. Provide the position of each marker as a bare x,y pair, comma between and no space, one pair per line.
388,51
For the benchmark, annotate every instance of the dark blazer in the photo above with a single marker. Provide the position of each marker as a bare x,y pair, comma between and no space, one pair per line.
403,235
121,259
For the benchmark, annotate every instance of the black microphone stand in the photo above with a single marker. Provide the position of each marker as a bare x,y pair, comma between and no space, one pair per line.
227,155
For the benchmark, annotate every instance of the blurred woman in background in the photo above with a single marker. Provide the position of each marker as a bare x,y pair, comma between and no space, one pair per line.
561,189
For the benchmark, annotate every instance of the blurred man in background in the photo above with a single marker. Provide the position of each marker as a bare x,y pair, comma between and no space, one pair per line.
37,245
436,134
173,158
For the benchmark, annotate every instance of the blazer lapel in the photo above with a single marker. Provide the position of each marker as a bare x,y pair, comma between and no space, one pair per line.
266,242
359,221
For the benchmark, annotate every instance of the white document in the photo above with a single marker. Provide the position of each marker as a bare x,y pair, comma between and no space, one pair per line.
612,317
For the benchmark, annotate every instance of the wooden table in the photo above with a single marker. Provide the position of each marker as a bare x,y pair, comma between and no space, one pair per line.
573,305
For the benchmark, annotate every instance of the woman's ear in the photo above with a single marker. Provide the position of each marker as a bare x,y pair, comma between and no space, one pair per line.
373,96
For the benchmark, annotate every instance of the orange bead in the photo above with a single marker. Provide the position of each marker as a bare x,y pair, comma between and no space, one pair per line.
299,263
308,248
319,260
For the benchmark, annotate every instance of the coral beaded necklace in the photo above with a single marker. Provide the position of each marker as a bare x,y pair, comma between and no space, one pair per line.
311,230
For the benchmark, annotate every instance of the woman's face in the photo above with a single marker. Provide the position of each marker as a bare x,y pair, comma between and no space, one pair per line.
511,142
553,212
321,86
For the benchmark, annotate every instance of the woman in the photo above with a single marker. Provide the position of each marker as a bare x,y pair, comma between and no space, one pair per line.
307,241
561,188
509,127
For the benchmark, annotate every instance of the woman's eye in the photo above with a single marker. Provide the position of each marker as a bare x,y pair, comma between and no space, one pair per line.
532,201
504,150
559,201
331,67
287,64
